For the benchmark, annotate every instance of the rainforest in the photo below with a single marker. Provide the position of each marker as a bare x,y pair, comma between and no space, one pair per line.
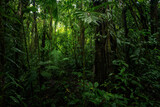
79,53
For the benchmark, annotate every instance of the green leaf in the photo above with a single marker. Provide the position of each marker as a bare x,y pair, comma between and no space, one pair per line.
140,0
96,84
46,74
136,83
6,86
18,50
45,63
90,84
14,82
103,5
33,9
14,99
122,70
114,105
65,59
79,74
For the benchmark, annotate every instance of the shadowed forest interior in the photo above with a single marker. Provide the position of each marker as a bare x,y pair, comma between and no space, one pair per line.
79,53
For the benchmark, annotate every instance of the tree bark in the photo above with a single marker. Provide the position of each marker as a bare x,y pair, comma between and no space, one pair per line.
50,30
100,56
154,16
126,47
103,54
2,56
42,67
19,40
35,29
50,27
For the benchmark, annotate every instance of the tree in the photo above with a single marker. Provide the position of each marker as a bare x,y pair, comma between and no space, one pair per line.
154,18
2,51
103,61
35,29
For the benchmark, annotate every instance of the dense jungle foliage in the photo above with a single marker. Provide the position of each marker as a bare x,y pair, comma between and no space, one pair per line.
79,53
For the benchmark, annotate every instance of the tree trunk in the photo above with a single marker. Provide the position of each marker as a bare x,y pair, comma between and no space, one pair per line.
103,55
35,29
50,27
42,67
19,40
154,16
43,39
126,47
2,57
82,41
100,57
50,30
133,13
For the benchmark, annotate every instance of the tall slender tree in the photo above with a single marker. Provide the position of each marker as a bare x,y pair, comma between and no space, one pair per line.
154,16
35,29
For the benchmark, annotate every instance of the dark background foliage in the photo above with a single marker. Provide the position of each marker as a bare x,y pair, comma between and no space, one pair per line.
80,53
